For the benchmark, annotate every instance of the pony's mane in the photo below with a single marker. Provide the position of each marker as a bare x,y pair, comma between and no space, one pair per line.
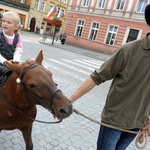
26,64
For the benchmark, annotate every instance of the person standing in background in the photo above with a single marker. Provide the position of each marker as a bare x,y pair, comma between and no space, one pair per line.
63,38
56,36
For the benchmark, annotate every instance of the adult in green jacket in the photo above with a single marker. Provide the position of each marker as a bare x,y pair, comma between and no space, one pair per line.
128,101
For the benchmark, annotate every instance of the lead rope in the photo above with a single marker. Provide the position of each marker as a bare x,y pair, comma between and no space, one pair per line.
141,135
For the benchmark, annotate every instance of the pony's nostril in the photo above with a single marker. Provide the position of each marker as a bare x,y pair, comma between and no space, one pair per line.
66,111
63,111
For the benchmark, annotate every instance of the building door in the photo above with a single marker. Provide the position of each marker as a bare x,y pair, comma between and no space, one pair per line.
32,24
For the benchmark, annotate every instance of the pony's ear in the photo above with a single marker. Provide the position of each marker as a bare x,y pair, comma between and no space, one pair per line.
14,67
39,58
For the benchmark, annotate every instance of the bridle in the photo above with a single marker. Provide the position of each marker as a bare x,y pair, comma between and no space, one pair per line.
35,97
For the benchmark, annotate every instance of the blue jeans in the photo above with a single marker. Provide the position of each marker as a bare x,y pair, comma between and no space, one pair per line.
111,139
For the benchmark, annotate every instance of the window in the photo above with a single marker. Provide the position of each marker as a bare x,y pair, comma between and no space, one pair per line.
50,7
133,34
58,11
64,1
62,13
22,1
80,26
36,5
94,31
141,6
120,4
112,32
42,8
85,3
101,3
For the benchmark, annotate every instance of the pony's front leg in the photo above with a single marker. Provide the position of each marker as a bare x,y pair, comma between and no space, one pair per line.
27,132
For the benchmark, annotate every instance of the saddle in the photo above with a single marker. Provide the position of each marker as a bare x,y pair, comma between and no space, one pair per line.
4,73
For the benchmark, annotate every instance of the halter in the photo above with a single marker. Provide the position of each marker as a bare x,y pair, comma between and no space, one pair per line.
36,97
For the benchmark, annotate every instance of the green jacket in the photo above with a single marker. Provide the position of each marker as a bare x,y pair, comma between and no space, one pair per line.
128,100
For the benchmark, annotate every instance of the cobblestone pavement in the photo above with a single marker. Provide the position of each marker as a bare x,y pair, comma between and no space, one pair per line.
75,132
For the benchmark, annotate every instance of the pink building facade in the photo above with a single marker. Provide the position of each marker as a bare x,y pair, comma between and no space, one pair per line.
104,25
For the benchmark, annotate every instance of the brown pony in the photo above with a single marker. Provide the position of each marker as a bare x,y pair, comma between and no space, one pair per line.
30,84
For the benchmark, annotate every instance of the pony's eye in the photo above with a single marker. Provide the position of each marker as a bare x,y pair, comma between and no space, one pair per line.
31,86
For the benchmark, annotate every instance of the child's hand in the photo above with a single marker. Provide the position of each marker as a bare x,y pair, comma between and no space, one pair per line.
10,61
15,62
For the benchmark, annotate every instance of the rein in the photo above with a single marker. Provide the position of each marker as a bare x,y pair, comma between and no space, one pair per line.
142,135
12,105
36,98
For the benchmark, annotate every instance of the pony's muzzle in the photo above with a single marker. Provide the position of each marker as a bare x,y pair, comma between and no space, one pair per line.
66,111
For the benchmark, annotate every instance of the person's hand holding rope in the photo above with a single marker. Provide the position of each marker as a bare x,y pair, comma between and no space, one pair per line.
147,128
143,137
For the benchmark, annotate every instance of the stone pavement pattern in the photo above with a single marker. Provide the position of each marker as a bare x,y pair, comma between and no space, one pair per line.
75,132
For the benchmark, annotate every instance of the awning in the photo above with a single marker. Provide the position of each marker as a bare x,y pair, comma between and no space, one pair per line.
22,16
47,20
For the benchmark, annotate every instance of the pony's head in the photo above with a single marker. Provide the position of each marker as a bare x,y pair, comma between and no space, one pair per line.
37,82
